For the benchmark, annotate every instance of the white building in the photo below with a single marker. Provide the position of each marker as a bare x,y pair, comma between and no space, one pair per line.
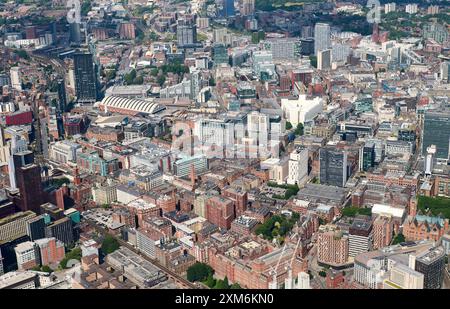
389,7
411,8
15,78
298,166
322,37
402,277
26,255
302,109
64,151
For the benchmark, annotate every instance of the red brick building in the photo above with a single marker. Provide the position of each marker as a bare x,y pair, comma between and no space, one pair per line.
220,211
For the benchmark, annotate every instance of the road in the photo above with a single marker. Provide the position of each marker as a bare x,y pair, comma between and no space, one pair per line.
123,243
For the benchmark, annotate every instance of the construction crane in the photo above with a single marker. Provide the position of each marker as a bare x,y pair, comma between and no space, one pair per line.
289,282
274,271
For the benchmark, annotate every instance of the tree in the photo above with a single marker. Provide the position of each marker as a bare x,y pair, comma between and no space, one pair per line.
322,273
199,272
110,244
288,125
235,286
46,269
399,238
299,129
210,281
74,254
222,284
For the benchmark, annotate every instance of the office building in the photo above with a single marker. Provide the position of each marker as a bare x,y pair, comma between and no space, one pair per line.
26,255
85,78
29,183
183,166
333,167
62,96
403,277
36,228
324,59
186,33
367,156
219,54
322,37
307,46
14,226
302,109
444,72
283,48
74,33
62,230
360,236
436,131
431,264
298,166
227,8
433,10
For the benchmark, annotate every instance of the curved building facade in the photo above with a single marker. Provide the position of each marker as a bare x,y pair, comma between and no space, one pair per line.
129,106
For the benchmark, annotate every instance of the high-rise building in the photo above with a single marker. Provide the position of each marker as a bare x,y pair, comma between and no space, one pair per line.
436,131
186,33
389,7
29,183
220,211
62,96
62,230
324,59
248,7
332,246
307,46
435,31
85,78
15,78
433,10
227,8
367,156
31,33
322,37
333,166
298,166
360,236
26,255
411,8
74,33
219,54
383,227
36,228
431,264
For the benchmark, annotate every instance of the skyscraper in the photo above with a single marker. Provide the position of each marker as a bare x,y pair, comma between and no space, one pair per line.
36,228
367,156
382,232
333,167
228,8
29,183
15,78
436,131
62,97
186,32
74,33
322,37
85,78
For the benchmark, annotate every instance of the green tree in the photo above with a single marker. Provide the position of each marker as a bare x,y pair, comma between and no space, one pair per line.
110,244
313,60
74,254
288,125
399,238
46,269
322,273
235,286
210,281
222,284
299,129
199,272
